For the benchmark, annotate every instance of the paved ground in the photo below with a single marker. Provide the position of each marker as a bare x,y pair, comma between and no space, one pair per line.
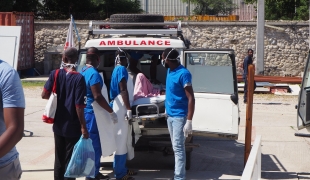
284,156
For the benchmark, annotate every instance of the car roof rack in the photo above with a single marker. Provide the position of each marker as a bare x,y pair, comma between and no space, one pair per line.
177,31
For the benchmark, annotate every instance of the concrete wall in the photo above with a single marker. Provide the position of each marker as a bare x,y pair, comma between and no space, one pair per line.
286,47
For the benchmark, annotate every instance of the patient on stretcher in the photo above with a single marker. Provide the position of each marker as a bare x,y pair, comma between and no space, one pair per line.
144,88
146,93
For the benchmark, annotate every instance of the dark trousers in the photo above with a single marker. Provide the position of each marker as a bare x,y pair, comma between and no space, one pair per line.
245,89
63,151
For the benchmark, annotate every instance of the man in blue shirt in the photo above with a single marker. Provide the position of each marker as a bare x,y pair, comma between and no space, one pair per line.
246,62
118,88
12,108
180,106
94,84
69,121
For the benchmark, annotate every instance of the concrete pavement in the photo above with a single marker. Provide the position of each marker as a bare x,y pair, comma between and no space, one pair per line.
284,156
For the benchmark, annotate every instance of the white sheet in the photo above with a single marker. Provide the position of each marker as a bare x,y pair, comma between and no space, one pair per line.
150,100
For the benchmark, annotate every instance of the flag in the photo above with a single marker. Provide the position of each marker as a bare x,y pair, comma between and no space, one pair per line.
69,39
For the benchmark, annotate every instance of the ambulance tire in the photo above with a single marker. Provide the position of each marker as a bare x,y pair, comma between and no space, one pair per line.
135,18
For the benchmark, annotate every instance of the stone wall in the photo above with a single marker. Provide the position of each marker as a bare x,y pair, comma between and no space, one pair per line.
286,43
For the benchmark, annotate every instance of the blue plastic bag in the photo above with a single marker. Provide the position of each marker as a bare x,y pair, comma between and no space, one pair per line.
82,162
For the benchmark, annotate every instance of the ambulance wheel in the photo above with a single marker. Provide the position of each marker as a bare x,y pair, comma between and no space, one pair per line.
134,18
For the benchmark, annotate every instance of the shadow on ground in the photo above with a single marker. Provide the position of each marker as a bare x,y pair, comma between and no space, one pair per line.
214,159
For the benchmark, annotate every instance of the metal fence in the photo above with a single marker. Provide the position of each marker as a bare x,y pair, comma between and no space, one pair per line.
252,170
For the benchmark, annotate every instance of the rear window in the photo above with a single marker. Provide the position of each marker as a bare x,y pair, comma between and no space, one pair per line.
212,72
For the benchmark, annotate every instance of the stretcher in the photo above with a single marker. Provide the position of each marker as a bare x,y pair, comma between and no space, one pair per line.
149,108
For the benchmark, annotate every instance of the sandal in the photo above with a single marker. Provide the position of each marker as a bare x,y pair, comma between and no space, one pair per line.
126,177
131,172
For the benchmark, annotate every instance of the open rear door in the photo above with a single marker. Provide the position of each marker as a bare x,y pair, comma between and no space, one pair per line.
9,46
215,86
303,111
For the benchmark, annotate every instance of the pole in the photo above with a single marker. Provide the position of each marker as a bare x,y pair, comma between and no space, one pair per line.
249,111
189,8
260,37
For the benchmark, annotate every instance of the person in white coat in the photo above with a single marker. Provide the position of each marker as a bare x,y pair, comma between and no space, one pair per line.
94,84
121,94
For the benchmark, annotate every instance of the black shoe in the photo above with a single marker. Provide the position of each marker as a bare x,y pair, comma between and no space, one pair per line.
98,177
131,173
126,177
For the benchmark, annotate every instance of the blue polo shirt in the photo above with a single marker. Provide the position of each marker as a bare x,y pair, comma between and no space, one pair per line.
92,77
176,100
71,92
11,96
118,74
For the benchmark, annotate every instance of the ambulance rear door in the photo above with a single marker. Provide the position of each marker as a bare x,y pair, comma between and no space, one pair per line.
214,82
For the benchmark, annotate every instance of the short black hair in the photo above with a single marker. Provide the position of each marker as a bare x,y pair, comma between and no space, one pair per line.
92,54
71,54
250,50
171,53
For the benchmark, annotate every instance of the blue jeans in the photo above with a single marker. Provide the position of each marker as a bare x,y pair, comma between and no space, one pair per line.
92,128
175,126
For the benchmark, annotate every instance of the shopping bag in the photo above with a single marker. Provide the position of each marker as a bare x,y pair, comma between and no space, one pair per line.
51,106
82,162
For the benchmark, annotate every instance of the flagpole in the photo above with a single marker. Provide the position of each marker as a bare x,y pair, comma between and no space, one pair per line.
76,31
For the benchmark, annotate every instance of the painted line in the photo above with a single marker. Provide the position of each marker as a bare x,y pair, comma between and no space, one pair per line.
43,156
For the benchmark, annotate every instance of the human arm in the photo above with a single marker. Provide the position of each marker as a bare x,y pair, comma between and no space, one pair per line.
14,122
46,93
13,110
191,101
80,103
98,97
124,93
191,108
80,113
245,67
102,101
186,81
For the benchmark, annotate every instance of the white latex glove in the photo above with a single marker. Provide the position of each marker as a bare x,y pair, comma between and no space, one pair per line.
114,117
128,115
187,129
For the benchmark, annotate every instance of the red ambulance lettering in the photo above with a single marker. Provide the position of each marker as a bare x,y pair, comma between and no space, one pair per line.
143,42
111,43
159,42
167,43
120,43
127,42
151,42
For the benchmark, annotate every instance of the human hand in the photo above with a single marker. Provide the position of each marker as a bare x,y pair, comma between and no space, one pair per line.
114,117
187,129
85,133
128,115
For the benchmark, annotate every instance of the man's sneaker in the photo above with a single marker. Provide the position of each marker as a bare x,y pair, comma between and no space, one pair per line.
126,177
98,177
131,172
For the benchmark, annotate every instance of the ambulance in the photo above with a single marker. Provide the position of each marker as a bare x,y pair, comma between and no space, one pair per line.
213,72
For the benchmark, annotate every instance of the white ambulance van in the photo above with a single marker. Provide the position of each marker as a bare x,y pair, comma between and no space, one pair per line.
213,76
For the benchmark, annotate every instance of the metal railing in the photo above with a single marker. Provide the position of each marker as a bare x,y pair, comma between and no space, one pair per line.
253,166
168,31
